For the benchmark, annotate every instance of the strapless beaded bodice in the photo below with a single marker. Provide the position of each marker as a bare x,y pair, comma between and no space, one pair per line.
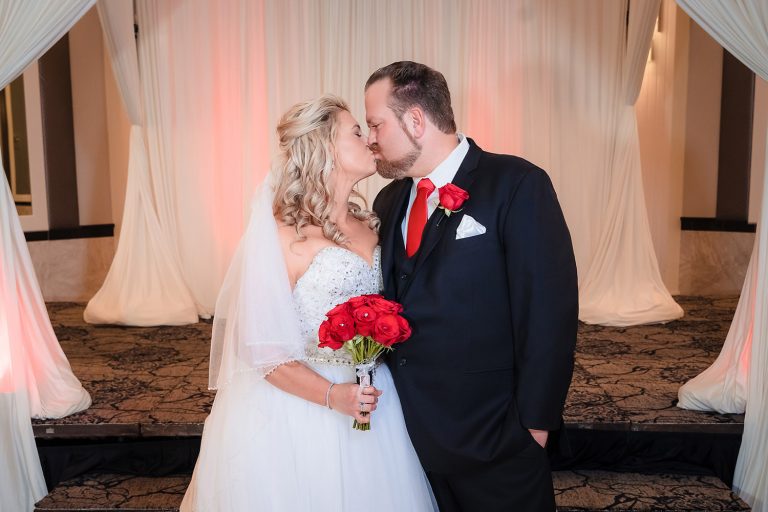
335,275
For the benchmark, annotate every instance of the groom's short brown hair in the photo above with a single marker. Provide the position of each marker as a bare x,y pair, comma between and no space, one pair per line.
417,84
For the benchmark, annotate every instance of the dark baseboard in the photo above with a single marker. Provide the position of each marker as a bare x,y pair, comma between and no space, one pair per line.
92,231
713,224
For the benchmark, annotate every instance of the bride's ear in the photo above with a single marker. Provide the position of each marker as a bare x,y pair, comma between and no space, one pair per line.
334,155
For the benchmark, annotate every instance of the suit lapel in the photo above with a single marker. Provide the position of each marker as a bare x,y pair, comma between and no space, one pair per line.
439,223
394,218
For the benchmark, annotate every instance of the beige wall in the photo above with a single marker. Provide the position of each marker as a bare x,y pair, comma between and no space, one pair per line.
702,134
759,141
714,262
38,221
661,125
86,52
71,270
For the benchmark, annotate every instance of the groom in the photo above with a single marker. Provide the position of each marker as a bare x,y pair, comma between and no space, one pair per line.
486,274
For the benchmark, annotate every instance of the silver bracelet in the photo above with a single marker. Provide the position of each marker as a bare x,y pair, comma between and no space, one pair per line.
328,396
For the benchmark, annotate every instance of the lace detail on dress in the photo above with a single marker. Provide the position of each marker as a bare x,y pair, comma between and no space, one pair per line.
335,275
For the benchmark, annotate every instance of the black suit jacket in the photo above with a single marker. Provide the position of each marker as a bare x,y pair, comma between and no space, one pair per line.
494,316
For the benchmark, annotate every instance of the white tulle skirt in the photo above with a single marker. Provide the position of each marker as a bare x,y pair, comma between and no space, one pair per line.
266,450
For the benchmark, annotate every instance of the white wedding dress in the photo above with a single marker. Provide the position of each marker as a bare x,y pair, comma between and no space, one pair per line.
266,450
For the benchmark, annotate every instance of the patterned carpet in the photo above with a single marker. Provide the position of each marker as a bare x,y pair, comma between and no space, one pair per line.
574,491
143,380
629,377
153,381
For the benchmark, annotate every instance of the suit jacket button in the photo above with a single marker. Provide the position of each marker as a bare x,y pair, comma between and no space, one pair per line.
403,276
403,362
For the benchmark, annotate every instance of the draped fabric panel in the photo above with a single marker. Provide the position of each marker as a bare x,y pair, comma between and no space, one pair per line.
199,145
551,81
333,47
31,360
723,386
35,377
580,62
144,285
28,28
741,27
642,19
203,78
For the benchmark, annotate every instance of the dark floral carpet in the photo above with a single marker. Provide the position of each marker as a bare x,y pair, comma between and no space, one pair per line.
154,380
149,382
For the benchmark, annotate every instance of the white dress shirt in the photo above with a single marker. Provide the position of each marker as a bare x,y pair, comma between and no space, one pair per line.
440,176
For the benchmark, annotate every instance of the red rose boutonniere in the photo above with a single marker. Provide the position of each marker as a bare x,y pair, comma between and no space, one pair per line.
451,198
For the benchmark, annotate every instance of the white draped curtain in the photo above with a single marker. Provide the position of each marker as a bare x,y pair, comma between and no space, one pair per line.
552,81
195,90
737,379
547,80
144,285
581,69
35,377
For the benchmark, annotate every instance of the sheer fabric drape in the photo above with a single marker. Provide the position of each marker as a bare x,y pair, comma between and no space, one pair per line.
32,363
144,285
196,98
28,28
551,81
737,379
555,82
35,377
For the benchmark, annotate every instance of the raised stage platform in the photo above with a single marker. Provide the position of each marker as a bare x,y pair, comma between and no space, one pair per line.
633,448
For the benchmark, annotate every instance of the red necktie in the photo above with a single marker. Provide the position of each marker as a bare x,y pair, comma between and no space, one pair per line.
418,217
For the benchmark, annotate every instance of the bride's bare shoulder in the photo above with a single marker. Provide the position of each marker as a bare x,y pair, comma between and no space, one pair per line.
311,238
299,252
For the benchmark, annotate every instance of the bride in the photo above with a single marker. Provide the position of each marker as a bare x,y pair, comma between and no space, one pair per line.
280,436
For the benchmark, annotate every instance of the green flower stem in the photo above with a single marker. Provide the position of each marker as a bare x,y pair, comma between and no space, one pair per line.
361,426
362,349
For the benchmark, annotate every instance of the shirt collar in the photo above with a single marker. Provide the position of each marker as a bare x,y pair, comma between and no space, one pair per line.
446,171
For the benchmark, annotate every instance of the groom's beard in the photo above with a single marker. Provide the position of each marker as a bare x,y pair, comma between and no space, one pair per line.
398,169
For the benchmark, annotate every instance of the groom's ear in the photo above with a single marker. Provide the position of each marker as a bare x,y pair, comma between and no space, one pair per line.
416,121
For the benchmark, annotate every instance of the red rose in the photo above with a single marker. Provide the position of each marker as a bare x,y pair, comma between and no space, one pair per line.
341,309
328,337
452,197
405,329
365,317
356,302
386,330
384,306
343,326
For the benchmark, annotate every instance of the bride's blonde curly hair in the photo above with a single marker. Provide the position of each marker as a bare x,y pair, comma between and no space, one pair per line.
303,196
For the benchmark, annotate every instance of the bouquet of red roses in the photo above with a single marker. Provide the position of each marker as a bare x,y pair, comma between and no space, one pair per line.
366,326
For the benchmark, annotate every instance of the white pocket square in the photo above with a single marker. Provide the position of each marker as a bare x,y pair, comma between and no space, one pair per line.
469,227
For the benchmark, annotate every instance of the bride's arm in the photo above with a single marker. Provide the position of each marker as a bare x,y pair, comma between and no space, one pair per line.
297,379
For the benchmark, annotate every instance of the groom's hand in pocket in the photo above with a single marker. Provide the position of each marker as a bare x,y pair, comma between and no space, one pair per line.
540,436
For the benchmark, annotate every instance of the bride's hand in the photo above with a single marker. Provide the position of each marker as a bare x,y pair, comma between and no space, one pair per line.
347,399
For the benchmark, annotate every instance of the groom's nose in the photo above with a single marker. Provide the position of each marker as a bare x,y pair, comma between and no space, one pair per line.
372,140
